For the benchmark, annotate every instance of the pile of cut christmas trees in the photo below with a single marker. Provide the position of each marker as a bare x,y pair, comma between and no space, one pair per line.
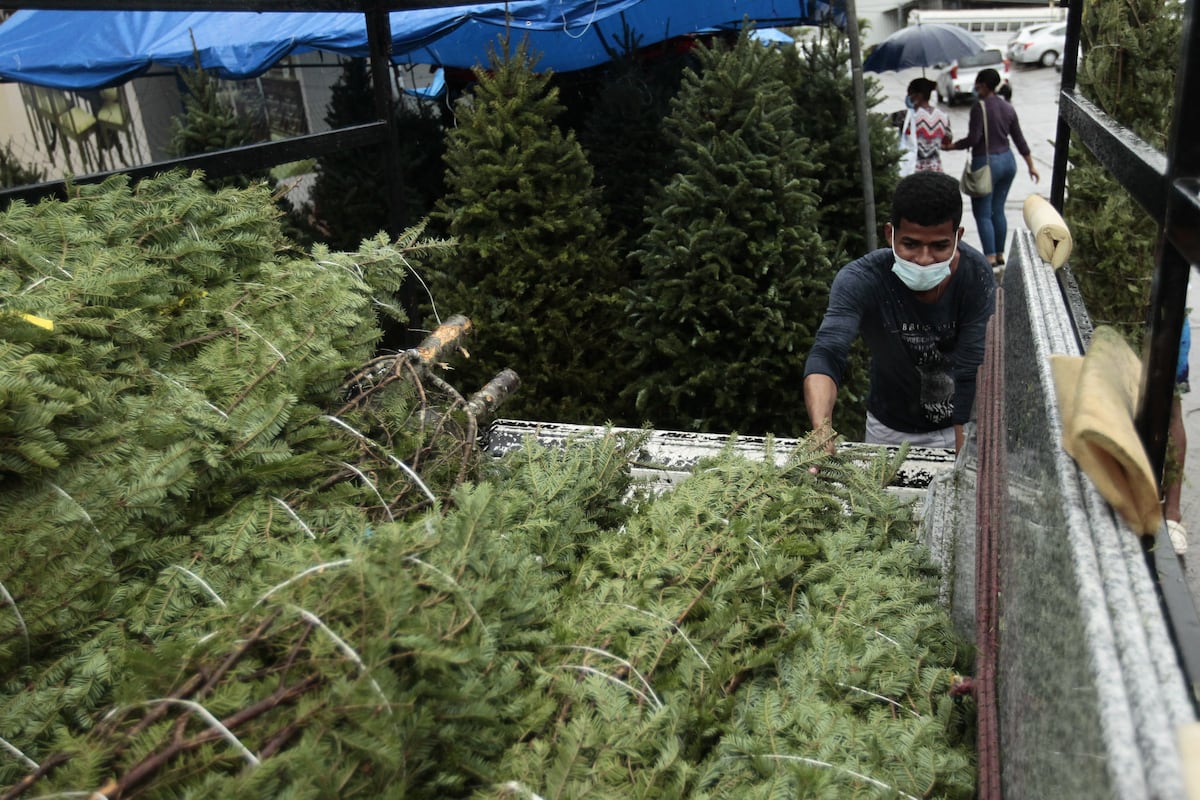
245,555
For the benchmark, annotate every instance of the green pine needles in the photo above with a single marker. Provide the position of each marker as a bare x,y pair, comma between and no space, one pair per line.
250,556
533,268
210,122
1128,70
756,632
720,316
13,172
180,412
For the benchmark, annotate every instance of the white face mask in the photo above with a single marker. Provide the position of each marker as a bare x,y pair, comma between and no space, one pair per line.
917,277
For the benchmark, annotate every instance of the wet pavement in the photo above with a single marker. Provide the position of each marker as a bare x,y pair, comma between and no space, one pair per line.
1035,96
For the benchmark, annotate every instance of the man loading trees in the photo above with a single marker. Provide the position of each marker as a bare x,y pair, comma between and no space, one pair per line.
922,308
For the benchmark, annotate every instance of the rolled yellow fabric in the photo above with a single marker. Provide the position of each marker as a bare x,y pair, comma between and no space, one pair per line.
1097,397
1188,738
1050,232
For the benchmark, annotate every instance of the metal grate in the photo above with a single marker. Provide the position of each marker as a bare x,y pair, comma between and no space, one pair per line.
1167,186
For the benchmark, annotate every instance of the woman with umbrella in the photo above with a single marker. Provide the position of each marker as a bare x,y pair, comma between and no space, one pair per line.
992,122
921,46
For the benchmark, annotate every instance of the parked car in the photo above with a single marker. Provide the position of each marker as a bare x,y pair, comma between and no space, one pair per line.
957,82
1039,44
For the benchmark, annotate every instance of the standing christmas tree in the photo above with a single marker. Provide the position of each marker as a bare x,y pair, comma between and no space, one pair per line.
210,123
533,268
722,315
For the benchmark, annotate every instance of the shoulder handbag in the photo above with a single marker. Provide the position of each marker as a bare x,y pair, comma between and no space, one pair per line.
978,182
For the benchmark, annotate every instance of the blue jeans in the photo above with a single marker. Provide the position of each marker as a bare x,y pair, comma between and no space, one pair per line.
989,210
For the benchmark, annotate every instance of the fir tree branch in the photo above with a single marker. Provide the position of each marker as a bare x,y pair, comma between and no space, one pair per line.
63,493
468,440
371,442
24,759
207,337
242,324
8,599
203,584
812,762
233,658
370,483
193,683
250,387
145,769
373,377
614,679
683,615
624,662
888,700
459,593
280,739
291,512
215,725
48,764
671,624
313,619
318,568
877,632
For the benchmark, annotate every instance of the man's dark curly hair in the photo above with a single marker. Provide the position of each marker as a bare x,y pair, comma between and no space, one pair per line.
927,199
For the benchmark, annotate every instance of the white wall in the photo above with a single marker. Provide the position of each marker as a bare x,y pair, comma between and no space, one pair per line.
884,17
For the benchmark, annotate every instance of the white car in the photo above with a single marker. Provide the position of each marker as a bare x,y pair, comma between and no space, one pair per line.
957,82
1039,44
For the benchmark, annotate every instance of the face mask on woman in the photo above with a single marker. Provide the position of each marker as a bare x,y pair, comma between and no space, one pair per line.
917,277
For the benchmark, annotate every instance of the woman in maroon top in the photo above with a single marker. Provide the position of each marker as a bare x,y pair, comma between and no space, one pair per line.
1002,123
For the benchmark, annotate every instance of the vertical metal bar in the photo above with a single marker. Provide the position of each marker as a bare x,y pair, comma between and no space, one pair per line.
1168,291
379,44
1062,137
860,114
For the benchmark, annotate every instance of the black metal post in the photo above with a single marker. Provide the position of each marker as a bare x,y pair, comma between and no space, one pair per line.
1062,137
1168,292
379,43
860,116
1178,241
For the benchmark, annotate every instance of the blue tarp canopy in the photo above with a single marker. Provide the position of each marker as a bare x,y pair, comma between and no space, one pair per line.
95,49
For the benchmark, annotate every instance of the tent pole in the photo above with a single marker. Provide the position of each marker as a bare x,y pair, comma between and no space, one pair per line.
379,44
860,114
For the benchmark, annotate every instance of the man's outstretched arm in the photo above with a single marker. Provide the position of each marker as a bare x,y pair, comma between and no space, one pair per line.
820,395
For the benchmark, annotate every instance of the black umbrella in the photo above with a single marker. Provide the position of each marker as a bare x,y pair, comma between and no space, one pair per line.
922,46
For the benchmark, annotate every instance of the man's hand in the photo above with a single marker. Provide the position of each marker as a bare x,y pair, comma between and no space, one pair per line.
820,394
824,437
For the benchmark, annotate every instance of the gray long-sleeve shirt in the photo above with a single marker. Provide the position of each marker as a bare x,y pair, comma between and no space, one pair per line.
924,356
1002,123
